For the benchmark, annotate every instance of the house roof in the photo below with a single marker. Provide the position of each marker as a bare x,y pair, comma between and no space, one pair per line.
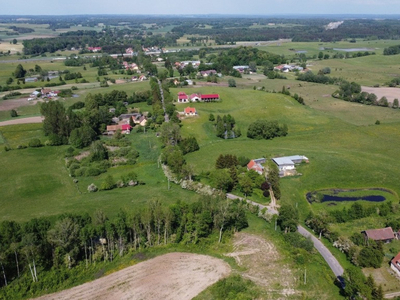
380,234
396,261
208,96
280,161
181,97
288,160
190,110
126,127
181,94
251,164
194,95
113,127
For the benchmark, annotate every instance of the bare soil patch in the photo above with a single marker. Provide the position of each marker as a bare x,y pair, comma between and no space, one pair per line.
170,276
389,92
15,103
264,265
22,121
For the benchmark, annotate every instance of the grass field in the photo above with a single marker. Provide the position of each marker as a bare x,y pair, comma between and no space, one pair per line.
35,182
342,154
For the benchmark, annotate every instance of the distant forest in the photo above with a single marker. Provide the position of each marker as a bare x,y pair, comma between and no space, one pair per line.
224,30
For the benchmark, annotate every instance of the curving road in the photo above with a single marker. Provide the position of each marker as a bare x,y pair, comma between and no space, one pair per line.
326,254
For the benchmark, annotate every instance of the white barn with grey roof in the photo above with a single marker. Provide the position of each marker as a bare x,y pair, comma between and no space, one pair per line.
288,162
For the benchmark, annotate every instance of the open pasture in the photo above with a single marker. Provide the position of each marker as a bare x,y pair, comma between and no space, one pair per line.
313,48
342,154
35,181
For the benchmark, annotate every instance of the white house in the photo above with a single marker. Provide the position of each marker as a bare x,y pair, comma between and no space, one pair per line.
395,264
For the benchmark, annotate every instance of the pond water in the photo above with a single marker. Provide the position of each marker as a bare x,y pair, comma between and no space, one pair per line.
353,49
371,198
333,195
301,51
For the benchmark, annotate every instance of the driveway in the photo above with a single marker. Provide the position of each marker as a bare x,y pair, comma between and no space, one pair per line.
326,254
271,210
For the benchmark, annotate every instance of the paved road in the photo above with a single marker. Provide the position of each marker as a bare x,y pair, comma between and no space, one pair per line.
326,254
270,210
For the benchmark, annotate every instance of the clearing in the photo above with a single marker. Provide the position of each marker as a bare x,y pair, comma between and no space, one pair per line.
390,93
170,276
29,120
15,103
261,259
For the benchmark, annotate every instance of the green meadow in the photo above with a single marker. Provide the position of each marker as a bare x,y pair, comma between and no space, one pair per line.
342,153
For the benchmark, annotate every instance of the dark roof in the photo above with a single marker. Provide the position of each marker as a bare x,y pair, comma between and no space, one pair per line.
380,234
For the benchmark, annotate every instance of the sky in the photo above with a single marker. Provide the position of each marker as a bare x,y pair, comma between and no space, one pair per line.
243,7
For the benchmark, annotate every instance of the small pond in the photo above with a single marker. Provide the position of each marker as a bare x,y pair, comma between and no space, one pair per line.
301,51
346,195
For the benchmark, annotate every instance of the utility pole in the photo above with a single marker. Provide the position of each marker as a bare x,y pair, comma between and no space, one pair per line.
276,222
305,276
168,185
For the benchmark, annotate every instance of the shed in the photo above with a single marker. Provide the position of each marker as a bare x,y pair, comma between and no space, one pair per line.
385,235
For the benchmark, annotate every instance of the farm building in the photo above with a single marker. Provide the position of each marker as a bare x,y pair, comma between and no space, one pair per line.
209,97
395,264
289,162
385,235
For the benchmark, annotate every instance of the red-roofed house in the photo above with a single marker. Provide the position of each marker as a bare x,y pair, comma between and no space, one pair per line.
385,235
190,111
183,98
209,97
255,164
94,49
395,264
125,128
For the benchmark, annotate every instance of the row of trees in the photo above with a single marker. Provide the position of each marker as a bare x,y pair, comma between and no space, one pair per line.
30,250
264,129
225,126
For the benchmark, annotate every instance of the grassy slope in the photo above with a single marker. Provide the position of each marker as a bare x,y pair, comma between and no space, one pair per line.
342,154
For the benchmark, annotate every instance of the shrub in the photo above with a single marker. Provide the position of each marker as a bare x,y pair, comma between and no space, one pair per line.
108,183
92,172
80,172
34,143
21,146
13,113
92,188
7,148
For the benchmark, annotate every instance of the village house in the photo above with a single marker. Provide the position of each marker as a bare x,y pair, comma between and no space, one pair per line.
195,97
94,49
128,66
395,264
140,120
255,164
207,73
385,235
241,69
190,111
112,129
182,97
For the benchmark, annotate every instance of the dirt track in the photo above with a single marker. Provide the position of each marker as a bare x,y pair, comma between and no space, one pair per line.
22,121
170,276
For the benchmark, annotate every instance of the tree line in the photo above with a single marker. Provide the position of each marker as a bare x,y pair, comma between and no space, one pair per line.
32,251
